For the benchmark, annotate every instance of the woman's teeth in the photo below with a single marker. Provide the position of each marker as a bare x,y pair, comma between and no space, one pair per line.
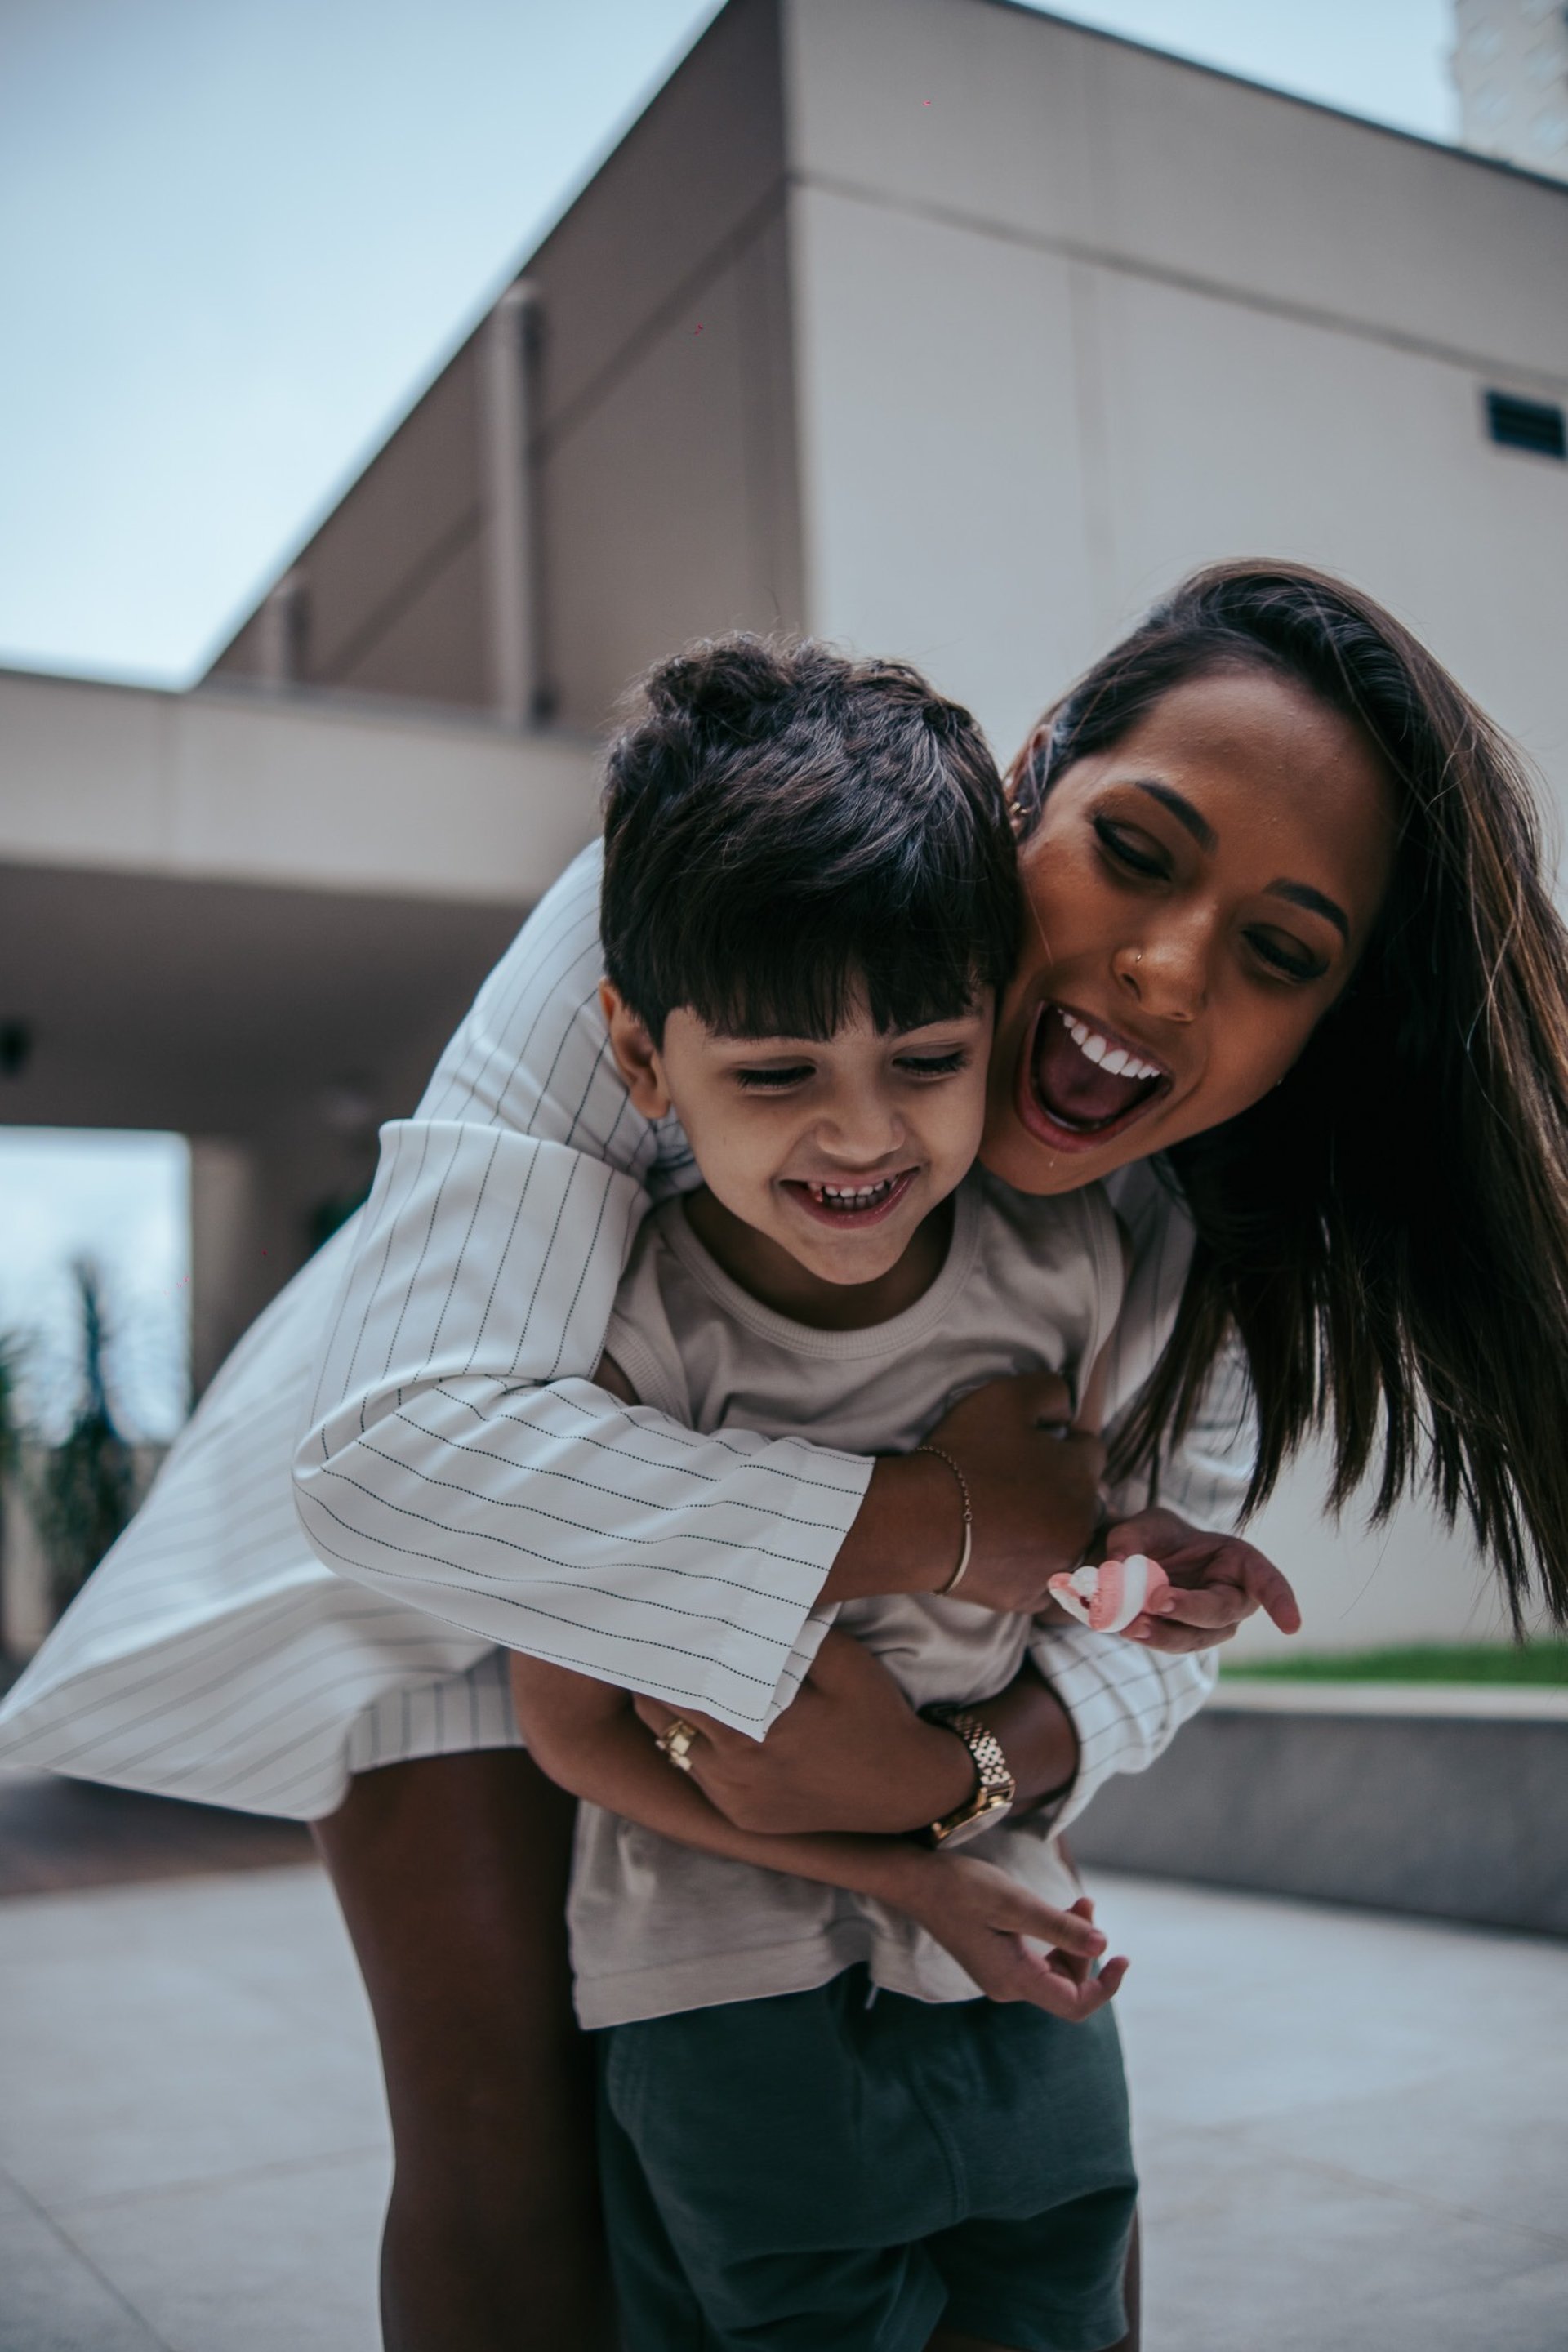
1112,1059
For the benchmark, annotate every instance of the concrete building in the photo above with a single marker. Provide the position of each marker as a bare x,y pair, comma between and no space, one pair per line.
1510,67
937,326
255,920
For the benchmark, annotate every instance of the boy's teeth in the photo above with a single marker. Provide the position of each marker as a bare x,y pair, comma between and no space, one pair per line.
853,1196
1113,1059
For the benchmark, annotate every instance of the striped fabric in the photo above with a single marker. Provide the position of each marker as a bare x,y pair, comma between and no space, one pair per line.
460,1484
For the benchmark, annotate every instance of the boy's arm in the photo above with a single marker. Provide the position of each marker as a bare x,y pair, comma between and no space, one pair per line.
586,1737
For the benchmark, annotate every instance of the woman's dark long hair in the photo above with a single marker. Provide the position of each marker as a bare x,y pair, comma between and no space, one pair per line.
1387,1230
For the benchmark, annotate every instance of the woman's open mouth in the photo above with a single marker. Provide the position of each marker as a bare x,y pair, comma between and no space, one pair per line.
1080,1084
844,1205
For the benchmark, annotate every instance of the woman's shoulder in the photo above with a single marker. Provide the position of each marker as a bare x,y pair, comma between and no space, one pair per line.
1148,1207
532,1054
1035,1232
1146,1261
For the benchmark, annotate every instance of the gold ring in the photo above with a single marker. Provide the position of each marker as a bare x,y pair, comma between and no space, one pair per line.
676,1741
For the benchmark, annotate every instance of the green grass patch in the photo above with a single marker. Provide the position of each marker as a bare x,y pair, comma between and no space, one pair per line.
1474,1661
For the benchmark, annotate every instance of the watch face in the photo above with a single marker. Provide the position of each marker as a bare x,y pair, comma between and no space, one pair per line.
989,1809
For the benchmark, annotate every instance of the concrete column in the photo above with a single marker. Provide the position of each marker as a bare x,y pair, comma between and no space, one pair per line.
229,1277
280,632
511,598
26,1610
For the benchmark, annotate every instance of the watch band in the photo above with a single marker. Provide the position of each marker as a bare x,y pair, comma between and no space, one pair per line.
994,1788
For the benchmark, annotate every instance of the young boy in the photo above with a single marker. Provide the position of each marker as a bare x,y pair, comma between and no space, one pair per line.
815,2133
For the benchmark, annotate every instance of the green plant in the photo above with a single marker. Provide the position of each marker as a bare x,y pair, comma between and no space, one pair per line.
86,1491
1544,1661
12,1426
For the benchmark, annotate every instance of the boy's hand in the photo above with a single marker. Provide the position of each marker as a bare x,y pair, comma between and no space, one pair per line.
1216,1583
994,1930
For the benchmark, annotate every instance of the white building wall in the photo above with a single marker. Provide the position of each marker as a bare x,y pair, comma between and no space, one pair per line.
1093,316
1072,317
1510,66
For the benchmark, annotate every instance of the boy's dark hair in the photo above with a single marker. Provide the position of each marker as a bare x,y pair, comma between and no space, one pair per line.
783,826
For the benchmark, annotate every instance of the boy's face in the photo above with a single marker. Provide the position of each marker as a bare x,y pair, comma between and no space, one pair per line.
834,1151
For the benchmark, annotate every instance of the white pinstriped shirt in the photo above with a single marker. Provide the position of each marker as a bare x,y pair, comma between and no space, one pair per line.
462,1484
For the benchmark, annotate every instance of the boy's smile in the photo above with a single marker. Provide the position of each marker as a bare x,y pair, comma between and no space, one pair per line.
823,1158
844,1205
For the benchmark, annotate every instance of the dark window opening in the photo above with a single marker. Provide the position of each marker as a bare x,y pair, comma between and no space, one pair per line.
1537,426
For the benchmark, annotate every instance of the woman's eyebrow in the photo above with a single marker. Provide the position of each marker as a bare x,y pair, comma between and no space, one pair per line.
1192,820
1301,894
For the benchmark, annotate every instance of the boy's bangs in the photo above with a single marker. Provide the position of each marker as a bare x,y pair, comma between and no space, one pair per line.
789,833
788,978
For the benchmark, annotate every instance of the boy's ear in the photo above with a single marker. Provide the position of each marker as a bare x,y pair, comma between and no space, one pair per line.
636,1056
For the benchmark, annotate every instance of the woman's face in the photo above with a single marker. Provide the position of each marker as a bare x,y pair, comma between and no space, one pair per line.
1195,900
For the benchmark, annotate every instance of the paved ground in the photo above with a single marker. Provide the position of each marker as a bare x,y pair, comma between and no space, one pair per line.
1355,2131
57,1834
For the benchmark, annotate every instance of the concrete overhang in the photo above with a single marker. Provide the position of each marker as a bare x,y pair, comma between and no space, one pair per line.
226,911
291,790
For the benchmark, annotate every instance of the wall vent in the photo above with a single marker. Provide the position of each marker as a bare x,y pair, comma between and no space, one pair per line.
1538,425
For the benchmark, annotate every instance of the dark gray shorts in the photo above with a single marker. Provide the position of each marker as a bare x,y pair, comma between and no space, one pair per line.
809,2172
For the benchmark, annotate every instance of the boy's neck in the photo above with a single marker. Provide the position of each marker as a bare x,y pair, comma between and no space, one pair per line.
774,1279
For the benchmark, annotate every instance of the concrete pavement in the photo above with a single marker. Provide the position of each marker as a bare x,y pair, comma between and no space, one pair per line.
1353,2130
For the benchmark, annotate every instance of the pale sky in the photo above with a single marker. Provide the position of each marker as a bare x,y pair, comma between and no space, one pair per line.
237,236
236,239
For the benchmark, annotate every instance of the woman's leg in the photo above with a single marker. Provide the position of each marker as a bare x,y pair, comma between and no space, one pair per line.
452,1872
1131,2289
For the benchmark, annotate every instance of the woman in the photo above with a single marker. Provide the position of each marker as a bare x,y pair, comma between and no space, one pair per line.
1269,849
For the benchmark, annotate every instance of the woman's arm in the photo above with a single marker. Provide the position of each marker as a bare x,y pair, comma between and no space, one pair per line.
456,1457
586,1737
852,1755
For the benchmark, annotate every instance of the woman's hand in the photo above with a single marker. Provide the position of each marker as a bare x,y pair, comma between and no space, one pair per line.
1013,1945
1033,1487
1216,1583
849,1753
1033,1484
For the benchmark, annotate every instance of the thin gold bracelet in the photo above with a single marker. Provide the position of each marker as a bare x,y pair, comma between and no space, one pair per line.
956,1579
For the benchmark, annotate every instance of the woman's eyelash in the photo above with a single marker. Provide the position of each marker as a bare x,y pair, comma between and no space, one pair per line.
1113,842
1288,967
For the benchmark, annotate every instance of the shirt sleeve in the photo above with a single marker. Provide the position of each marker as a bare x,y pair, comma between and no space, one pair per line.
1127,1703
457,1456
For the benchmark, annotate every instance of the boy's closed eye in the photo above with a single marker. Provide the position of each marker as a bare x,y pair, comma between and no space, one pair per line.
777,1077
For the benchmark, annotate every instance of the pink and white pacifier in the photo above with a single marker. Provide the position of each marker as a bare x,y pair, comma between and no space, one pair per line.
1107,1599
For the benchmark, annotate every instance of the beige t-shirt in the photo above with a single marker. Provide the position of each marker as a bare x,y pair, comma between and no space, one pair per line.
1027,1286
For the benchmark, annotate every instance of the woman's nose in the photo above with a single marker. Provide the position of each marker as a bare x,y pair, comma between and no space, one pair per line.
1167,975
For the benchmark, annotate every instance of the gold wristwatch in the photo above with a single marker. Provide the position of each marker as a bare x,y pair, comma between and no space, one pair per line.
990,1799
